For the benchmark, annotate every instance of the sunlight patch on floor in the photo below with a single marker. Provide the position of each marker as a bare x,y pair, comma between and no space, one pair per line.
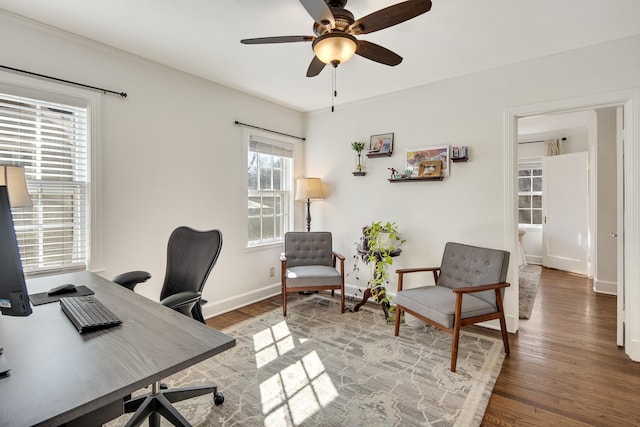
299,390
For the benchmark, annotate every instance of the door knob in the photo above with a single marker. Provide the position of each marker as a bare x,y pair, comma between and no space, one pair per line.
612,234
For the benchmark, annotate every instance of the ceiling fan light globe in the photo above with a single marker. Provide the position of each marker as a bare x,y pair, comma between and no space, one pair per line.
335,47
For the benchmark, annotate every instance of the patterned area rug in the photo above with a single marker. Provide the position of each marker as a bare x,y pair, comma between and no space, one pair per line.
320,368
529,279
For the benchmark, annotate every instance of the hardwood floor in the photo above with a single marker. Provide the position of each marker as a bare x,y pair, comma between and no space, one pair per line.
564,368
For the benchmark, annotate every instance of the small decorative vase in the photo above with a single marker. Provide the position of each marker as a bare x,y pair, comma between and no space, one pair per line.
359,166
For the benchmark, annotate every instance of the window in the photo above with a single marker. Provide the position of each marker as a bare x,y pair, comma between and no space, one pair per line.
530,194
50,140
269,182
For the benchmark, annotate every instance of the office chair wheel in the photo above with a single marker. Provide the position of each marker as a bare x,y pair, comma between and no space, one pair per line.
218,398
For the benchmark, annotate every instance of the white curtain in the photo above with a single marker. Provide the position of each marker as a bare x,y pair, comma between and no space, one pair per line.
552,147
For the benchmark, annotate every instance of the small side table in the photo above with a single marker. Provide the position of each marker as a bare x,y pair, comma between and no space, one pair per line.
368,293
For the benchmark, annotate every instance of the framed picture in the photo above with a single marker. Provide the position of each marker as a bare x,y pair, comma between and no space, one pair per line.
430,168
381,143
415,156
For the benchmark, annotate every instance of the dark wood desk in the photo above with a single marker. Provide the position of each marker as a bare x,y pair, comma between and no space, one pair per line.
58,375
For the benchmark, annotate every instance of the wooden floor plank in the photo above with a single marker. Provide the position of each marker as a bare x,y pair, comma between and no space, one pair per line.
564,369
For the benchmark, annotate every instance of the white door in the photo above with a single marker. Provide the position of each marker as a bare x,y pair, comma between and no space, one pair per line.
565,209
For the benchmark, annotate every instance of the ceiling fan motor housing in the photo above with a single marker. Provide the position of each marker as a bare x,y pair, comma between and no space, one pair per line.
342,17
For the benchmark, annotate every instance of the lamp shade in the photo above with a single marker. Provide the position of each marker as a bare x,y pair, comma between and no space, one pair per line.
309,188
13,178
334,47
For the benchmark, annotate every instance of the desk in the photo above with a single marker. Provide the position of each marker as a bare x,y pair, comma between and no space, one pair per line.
58,375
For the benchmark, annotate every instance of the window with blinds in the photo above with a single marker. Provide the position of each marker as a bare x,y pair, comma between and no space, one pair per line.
269,178
50,140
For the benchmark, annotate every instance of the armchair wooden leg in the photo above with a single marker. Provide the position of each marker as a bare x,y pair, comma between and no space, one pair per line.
457,320
398,315
505,336
454,347
341,300
284,303
503,323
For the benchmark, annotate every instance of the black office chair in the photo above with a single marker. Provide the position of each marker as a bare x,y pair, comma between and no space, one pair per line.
191,255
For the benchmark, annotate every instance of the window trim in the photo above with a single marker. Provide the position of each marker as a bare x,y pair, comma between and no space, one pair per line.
277,141
25,86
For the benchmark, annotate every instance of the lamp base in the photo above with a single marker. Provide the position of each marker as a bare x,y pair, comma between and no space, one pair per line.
308,214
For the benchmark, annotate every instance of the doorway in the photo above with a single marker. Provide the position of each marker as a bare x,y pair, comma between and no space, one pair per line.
629,279
554,191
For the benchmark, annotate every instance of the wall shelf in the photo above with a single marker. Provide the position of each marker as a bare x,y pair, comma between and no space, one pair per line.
418,178
361,173
372,155
459,159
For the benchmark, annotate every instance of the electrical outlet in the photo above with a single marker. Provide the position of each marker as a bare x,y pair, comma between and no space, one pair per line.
272,271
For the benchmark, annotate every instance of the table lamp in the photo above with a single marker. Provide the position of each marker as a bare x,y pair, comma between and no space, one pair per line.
306,190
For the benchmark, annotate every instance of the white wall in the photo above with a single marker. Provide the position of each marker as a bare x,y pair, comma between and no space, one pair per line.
469,206
170,155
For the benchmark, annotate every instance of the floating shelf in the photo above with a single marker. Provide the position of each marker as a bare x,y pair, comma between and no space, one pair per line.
460,159
359,173
419,178
371,155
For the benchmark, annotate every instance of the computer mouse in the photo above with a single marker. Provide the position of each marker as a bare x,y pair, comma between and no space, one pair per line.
62,289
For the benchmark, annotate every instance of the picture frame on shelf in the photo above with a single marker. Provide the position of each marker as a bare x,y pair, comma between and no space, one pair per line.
415,156
381,144
429,168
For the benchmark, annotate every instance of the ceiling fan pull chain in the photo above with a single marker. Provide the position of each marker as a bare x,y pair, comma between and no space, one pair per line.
334,91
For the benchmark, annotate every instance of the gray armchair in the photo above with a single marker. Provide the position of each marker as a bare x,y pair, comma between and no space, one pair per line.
309,264
470,284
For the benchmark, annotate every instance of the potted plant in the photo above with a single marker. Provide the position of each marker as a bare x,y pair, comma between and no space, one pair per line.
379,244
358,147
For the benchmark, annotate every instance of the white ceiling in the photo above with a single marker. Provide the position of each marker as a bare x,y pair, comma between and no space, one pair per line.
456,37
576,121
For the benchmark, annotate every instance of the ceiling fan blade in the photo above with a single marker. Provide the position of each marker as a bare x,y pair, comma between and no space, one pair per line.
390,16
377,53
315,67
320,12
278,39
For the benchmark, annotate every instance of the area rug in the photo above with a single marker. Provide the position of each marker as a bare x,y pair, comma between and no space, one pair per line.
529,280
317,367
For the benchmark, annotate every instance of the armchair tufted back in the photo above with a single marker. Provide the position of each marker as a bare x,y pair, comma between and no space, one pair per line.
465,265
308,248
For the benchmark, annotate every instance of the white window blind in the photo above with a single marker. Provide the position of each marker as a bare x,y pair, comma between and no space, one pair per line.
50,140
269,179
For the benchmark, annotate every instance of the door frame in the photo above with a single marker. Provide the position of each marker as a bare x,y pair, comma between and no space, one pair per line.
630,100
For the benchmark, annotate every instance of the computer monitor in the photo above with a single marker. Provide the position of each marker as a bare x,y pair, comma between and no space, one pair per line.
14,298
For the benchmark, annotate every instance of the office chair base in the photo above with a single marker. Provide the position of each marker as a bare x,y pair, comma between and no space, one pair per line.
158,404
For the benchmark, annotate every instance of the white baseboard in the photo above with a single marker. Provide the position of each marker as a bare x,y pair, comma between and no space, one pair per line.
215,308
604,287
533,259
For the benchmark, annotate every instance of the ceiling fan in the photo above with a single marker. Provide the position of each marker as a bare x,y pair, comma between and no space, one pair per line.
336,29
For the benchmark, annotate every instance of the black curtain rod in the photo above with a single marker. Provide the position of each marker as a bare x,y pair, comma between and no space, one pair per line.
531,142
122,94
269,130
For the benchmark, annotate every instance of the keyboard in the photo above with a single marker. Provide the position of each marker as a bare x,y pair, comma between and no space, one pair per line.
88,314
